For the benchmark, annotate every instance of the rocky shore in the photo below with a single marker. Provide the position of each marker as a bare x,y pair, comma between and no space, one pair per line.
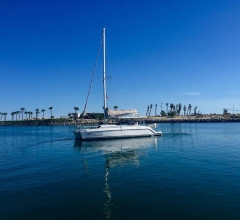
151,119
193,119
48,122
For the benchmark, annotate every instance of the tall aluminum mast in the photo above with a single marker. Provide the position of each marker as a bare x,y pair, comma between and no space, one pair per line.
104,78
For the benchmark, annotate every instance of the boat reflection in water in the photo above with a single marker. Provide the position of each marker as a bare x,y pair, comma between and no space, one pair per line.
118,152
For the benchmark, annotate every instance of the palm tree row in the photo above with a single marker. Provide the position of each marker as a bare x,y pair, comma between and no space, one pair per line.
174,109
28,114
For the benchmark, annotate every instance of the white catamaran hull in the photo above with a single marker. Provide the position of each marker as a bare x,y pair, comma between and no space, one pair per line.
115,131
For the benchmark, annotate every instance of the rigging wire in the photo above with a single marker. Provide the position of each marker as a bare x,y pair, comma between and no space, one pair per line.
90,86
109,91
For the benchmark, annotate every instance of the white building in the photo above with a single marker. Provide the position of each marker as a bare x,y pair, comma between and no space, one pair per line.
74,115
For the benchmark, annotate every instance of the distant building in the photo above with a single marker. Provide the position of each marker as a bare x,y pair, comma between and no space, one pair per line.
74,115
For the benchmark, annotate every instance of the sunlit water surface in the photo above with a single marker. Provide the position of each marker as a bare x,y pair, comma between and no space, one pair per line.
191,172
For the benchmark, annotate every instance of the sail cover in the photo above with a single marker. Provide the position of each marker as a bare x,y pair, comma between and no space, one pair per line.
119,113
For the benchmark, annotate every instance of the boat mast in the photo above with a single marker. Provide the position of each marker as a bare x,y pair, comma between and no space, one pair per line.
104,79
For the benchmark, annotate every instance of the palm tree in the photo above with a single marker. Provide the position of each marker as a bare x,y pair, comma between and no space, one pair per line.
195,110
167,107
76,109
12,114
22,109
147,110
171,107
50,108
37,112
155,109
5,115
115,107
43,110
174,107
16,113
150,109
179,108
189,109
29,114
26,113
2,114
184,109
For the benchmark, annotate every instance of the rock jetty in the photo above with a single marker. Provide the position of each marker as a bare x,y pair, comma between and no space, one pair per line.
151,119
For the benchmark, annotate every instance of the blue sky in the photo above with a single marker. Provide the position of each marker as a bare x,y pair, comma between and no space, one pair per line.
171,51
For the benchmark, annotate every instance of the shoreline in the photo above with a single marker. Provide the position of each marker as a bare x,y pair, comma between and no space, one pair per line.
151,119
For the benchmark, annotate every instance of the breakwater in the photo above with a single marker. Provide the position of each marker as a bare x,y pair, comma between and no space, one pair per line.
48,122
151,119
191,119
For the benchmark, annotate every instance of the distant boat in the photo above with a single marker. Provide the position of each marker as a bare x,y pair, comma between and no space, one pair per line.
108,131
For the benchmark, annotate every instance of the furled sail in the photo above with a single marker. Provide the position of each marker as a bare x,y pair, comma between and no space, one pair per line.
119,113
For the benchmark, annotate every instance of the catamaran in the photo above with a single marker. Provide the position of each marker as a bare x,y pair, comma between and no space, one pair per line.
109,131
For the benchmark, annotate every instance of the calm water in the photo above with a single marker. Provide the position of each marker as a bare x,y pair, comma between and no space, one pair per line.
191,172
